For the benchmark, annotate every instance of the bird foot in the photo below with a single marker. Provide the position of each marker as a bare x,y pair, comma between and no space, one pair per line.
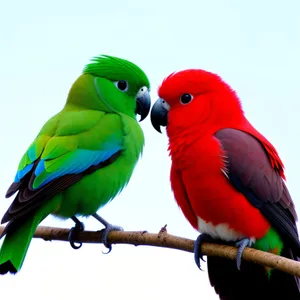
106,231
242,244
108,228
198,254
79,226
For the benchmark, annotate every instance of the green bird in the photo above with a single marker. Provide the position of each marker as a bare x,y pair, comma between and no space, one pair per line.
82,157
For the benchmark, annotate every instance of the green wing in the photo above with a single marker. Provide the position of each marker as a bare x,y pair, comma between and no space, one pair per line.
69,146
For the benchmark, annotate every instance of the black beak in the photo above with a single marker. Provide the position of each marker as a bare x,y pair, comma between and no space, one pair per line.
159,114
143,103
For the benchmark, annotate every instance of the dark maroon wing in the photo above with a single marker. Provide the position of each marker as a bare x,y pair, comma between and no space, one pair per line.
250,171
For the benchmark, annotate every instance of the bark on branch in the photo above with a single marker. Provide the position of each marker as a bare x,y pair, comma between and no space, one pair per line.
165,240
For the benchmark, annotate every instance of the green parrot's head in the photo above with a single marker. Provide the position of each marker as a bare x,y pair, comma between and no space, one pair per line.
114,85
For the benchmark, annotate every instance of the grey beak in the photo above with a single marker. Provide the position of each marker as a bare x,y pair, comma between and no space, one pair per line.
159,115
143,103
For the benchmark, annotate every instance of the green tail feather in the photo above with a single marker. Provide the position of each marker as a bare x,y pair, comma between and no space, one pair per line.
17,241
15,246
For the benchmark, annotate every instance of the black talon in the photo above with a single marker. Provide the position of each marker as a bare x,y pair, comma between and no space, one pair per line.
79,226
198,254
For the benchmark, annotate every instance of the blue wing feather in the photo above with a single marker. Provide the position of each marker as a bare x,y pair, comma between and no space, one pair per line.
78,161
21,173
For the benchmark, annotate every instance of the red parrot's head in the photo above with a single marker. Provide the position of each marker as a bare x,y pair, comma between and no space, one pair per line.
193,98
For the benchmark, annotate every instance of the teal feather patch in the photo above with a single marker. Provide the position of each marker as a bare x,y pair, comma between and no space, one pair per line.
32,153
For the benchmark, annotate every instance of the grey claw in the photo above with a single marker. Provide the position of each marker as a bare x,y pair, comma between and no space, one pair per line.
109,249
105,233
108,228
242,244
79,226
197,248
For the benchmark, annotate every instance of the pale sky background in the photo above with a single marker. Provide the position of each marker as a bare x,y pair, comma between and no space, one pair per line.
253,45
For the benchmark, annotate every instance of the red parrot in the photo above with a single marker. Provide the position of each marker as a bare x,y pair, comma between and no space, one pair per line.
228,180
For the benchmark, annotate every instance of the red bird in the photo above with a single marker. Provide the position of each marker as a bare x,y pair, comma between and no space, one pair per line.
228,180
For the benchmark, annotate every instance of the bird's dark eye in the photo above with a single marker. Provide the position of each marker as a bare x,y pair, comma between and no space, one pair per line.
186,98
122,85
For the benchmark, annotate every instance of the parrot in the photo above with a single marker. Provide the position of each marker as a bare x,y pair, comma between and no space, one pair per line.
82,157
229,183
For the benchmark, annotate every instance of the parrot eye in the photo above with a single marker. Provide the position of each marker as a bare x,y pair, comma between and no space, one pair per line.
122,85
186,98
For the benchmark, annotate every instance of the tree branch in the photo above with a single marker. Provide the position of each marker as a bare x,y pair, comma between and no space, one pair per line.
165,240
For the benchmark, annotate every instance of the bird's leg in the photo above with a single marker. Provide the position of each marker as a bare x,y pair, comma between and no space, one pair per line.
242,244
108,228
197,247
79,226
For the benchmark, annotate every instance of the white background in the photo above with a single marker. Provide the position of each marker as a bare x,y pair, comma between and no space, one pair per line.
254,46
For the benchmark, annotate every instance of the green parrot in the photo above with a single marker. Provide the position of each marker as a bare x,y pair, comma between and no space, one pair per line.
82,157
